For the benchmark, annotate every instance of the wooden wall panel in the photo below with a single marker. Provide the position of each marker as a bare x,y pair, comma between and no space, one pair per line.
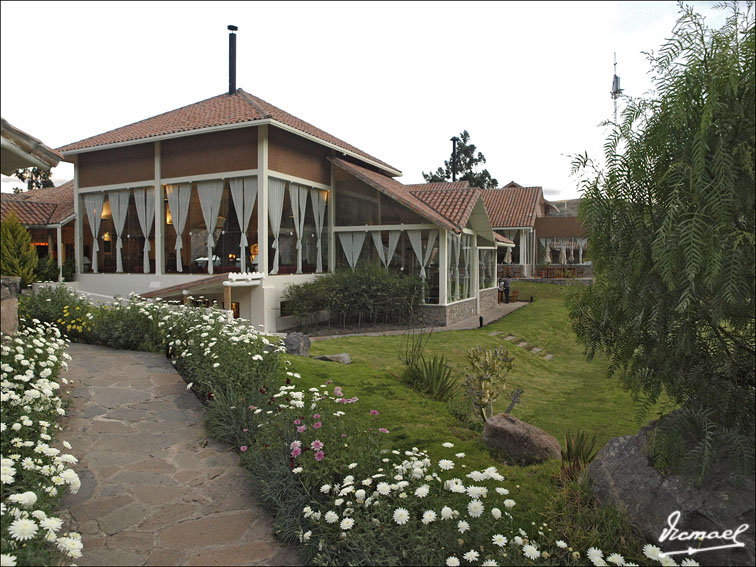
229,150
119,165
289,153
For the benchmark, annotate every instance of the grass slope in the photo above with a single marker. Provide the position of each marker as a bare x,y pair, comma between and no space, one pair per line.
560,395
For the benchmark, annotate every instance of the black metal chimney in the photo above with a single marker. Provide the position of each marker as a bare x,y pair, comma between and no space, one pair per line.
454,141
232,59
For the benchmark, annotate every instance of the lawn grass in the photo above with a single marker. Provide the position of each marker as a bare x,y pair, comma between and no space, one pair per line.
559,395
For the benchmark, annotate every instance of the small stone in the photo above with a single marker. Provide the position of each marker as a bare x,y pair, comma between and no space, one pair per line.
510,338
548,357
342,358
494,333
522,344
535,350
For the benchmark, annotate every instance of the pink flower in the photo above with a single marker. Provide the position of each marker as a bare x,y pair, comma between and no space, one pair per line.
295,443
297,422
329,382
383,430
343,435
317,444
319,455
373,412
243,448
317,425
253,407
245,430
316,416
295,452
301,429
337,391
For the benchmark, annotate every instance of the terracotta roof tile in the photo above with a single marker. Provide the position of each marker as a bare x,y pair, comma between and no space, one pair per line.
438,185
50,205
222,110
453,204
513,206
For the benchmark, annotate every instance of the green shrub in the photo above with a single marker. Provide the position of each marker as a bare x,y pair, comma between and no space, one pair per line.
365,296
69,269
487,381
47,270
432,377
18,257
580,451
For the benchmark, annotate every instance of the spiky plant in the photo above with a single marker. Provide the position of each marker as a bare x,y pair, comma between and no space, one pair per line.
18,256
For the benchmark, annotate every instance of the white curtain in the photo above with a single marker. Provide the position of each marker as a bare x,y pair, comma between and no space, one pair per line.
508,256
298,198
318,198
467,254
276,189
119,205
457,242
178,203
210,196
393,241
562,255
378,241
416,237
93,204
145,207
352,243
244,194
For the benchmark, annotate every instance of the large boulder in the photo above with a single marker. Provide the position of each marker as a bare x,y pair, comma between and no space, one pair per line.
622,476
297,343
519,440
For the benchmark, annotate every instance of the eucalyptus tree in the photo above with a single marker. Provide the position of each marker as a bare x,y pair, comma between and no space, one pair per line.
670,221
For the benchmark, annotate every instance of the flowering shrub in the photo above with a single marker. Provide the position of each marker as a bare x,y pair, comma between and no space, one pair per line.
33,472
320,465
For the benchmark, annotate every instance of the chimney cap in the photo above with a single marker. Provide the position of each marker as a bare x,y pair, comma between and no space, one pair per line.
232,28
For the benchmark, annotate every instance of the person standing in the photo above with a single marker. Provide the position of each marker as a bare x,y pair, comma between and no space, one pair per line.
506,282
500,295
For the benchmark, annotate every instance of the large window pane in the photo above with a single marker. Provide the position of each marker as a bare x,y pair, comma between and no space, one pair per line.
486,268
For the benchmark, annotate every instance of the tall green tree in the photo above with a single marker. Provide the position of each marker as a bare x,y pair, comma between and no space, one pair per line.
670,221
34,177
18,257
467,164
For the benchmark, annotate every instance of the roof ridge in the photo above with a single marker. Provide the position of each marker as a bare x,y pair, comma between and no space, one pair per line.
250,99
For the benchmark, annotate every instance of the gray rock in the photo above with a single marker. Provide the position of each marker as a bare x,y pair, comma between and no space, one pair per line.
342,358
621,475
297,343
519,440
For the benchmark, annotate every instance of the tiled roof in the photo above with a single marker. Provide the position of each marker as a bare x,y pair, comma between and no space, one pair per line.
436,185
501,238
222,110
511,206
454,205
50,205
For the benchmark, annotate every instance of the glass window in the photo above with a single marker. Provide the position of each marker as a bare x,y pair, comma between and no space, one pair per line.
132,241
287,237
459,279
486,268
226,254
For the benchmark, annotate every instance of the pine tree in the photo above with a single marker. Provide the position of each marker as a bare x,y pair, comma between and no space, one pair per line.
467,164
18,256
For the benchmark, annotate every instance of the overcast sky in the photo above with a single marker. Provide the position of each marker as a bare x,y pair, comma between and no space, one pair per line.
530,81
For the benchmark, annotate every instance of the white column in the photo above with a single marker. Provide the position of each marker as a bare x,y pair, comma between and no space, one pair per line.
443,265
262,199
475,268
331,210
78,233
159,215
59,235
524,251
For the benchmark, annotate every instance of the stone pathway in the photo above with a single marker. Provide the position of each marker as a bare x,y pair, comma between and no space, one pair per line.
155,490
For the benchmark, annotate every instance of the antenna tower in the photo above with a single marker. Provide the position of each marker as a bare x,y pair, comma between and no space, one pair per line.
616,90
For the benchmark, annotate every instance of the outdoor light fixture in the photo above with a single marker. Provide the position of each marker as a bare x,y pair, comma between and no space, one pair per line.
106,212
106,237
168,217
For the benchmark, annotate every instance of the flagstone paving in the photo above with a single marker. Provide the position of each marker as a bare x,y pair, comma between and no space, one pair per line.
154,489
